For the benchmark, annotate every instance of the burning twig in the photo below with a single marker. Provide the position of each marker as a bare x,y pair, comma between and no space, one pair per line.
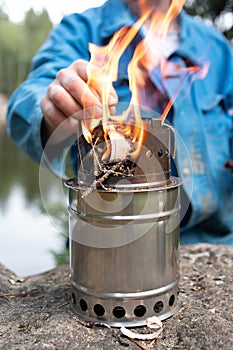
121,146
111,156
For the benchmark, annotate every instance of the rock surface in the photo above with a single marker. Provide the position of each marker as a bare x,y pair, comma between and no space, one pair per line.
35,311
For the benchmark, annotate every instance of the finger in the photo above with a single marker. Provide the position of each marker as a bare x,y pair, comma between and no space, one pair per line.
63,100
77,88
52,115
96,78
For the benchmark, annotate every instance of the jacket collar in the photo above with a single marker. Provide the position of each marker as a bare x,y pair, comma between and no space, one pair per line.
187,47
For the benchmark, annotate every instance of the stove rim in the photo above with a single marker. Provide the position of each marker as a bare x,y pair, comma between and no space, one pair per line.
73,184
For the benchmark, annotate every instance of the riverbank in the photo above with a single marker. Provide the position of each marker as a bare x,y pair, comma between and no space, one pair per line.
35,312
29,238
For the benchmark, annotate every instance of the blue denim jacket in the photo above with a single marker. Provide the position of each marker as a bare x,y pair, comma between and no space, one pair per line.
202,112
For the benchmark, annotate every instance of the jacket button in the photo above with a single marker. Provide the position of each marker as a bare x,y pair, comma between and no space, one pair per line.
186,171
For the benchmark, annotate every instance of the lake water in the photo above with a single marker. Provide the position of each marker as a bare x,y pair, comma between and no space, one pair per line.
27,234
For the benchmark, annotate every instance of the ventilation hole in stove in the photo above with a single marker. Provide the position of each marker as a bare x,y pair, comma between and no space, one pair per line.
118,312
99,310
172,300
160,152
83,304
139,310
158,307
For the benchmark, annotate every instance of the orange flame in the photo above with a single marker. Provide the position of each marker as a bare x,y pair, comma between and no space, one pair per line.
200,73
107,58
146,57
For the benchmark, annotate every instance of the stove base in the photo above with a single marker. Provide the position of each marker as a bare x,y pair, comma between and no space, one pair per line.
124,309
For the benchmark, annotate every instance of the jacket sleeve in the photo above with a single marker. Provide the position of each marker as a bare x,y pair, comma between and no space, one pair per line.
67,42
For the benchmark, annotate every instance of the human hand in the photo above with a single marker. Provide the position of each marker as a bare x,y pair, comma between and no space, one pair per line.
69,94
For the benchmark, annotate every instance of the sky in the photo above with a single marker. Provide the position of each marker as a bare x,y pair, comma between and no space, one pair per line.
55,8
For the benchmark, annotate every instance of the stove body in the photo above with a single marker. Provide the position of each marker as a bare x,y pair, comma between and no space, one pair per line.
124,237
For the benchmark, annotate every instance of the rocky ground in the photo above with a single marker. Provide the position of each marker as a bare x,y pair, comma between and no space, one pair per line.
35,311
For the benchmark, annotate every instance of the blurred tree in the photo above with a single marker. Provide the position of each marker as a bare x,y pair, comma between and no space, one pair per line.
25,178
219,12
9,39
18,44
3,15
35,28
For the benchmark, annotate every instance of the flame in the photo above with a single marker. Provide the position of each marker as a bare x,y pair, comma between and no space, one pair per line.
146,57
196,72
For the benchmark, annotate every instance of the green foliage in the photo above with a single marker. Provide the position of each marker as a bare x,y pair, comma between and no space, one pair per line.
26,176
3,15
62,257
35,30
18,44
60,218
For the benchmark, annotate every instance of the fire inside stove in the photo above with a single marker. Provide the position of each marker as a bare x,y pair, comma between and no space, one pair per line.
110,157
